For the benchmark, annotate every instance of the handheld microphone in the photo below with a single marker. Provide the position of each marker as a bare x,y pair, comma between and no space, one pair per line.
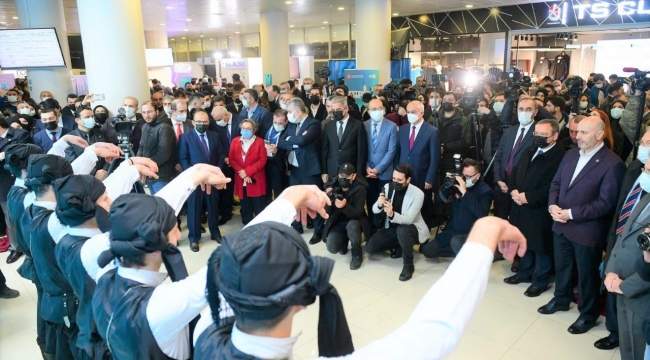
629,69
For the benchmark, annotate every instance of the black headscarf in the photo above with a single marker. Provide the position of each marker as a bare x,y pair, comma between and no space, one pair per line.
43,169
16,119
17,155
265,268
139,225
75,198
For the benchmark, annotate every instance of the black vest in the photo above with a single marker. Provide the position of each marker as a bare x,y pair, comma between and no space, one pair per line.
125,301
15,203
59,303
215,344
68,256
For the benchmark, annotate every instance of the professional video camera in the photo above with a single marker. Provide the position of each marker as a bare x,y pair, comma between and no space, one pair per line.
575,86
639,84
336,194
512,82
123,128
396,93
450,180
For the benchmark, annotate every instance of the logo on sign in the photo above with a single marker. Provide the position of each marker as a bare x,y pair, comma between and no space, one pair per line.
554,13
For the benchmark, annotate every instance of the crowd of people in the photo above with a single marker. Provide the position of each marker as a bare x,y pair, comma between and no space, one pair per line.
389,172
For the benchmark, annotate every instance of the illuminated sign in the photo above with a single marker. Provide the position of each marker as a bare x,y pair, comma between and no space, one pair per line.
557,13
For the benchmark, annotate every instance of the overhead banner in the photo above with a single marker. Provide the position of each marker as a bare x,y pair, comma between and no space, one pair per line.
545,15
360,82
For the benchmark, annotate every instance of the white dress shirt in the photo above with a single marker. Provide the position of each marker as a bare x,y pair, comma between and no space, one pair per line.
526,129
342,123
175,126
417,129
29,197
583,160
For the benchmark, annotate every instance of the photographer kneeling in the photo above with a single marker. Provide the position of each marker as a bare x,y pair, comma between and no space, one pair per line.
347,215
470,198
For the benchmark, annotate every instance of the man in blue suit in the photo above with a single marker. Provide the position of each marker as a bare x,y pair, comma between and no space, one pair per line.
64,121
515,142
301,140
582,200
200,146
226,124
419,145
253,110
382,145
51,132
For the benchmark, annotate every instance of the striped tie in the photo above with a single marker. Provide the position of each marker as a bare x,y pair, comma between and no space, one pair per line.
627,208
374,136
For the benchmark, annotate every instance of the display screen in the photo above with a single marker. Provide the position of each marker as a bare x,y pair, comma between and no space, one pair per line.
30,48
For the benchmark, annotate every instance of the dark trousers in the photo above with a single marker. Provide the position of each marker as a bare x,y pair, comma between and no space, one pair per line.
64,340
427,208
611,315
631,329
195,210
403,236
440,246
226,195
342,232
587,261
298,178
41,325
375,186
276,180
251,206
502,203
10,226
538,266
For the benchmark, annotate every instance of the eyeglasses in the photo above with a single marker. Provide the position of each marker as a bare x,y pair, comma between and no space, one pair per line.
642,143
535,133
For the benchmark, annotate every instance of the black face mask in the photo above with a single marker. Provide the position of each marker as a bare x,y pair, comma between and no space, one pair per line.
590,84
72,107
447,106
229,93
540,141
344,183
52,125
101,118
201,128
315,100
101,216
337,115
399,187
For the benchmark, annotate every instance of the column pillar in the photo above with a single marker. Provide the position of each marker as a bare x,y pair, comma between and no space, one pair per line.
114,55
47,14
373,47
274,41
158,40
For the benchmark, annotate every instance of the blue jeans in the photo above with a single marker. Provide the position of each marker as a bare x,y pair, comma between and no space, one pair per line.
647,352
157,186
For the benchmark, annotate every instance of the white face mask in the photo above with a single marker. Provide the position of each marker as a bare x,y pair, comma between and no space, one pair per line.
244,102
168,110
206,105
525,118
12,98
89,123
283,106
24,111
278,128
291,118
31,112
469,183
222,123
498,107
307,87
181,117
584,104
45,98
413,118
617,113
129,111
557,89
433,102
644,181
599,86
644,154
376,115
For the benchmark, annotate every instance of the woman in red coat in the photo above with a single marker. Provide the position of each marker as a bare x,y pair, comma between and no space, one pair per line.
248,158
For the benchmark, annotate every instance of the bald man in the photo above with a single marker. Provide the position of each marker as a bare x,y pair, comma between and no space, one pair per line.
418,143
582,199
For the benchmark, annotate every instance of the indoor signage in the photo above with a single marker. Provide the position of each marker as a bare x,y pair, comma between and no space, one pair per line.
557,13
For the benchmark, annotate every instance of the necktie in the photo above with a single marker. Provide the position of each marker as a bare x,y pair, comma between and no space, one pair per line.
412,138
374,135
178,131
514,151
53,137
273,136
205,147
340,132
627,208
229,137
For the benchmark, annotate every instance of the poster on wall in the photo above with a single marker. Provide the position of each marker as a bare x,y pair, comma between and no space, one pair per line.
360,82
234,66
7,81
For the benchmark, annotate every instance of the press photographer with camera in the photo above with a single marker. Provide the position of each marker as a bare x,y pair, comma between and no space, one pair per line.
470,199
347,214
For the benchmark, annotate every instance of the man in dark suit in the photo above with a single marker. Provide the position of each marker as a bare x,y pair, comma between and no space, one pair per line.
226,124
529,186
419,145
317,109
51,132
253,110
8,136
69,109
86,130
301,140
276,162
64,120
200,146
514,143
582,199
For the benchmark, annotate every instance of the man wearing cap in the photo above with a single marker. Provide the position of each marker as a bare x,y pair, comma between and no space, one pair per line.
347,216
257,320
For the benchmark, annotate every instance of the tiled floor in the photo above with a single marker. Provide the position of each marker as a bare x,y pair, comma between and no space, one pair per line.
506,325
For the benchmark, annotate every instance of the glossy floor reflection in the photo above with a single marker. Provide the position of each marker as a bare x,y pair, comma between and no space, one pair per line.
506,325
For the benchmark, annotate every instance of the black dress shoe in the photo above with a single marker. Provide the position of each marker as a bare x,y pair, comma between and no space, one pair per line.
7,293
224,220
202,230
14,256
552,307
315,239
216,238
355,263
407,273
300,230
515,265
535,291
515,279
194,247
310,223
581,326
396,254
606,343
